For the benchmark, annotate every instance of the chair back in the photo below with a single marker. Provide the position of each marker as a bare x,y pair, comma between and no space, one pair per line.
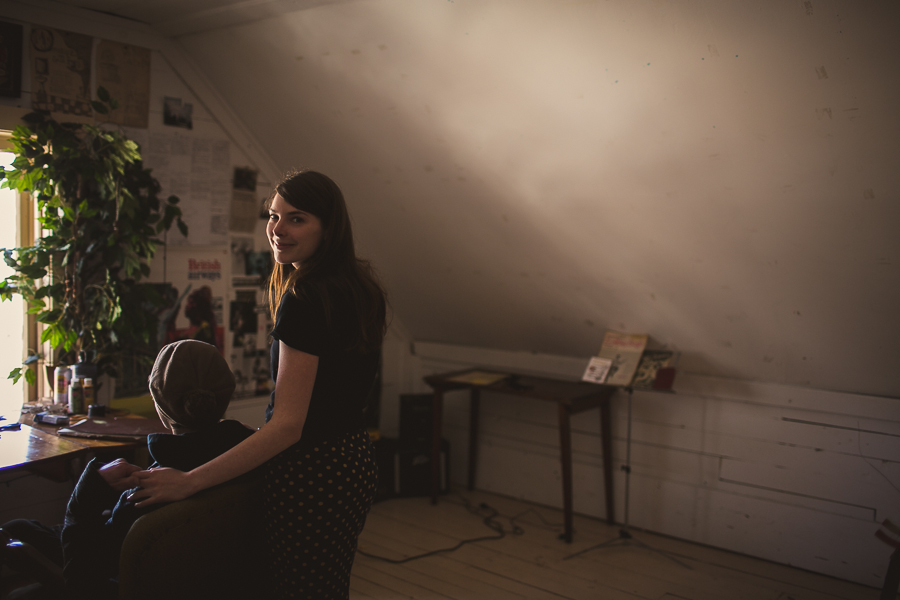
206,546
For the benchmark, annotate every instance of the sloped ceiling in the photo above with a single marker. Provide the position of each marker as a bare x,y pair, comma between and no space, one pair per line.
526,174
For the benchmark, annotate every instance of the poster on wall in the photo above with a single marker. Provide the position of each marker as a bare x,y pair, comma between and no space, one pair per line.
61,71
10,60
193,281
248,326
124,71
198,277
244,206
177,113
198,171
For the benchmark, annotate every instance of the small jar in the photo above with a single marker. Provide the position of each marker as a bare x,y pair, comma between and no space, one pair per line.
76,397
88,390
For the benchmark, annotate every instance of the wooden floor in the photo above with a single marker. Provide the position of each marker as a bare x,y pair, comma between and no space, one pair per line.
533,565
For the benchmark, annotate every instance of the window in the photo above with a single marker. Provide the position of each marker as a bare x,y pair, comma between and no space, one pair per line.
12,313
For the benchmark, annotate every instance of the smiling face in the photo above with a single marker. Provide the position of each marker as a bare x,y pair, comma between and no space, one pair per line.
294,235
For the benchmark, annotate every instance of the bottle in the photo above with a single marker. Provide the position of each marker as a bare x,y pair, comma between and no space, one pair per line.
61,377
88,390
76,397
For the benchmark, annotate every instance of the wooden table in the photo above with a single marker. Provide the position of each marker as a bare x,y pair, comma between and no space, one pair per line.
37,448
39,452
570,397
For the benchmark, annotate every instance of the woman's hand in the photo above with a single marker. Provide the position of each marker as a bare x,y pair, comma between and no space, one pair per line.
161,485
119,474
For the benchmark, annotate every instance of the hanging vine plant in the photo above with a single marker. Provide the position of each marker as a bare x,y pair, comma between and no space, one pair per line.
101,218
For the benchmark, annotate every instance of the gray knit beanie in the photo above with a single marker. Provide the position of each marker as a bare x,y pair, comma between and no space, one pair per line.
191,383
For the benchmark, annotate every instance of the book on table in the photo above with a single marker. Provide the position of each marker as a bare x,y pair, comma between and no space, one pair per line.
597,370
624,350
656,370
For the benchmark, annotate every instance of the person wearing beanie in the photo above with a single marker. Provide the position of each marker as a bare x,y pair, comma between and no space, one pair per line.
191,385
329,312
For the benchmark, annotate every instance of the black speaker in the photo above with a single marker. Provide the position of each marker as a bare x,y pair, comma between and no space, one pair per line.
416,420
386,458
414,469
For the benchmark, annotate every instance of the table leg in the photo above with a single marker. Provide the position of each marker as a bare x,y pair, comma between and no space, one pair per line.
565,450
437,408
606,442
474,409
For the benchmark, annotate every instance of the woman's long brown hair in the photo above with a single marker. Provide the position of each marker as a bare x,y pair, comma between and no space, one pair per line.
333,268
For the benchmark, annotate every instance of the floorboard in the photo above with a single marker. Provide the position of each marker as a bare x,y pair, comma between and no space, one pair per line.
534,564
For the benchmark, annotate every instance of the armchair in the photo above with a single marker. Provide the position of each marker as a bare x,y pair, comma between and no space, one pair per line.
206,546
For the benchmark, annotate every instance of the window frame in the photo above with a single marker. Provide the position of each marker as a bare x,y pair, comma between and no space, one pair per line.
26,232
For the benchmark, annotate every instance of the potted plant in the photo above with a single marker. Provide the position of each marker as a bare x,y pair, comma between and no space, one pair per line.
101,218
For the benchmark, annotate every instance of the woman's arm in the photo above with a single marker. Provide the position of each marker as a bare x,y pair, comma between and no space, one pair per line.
293,390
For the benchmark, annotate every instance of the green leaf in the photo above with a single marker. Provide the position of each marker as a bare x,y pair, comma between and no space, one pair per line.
50,316
32,272
103,94
99,107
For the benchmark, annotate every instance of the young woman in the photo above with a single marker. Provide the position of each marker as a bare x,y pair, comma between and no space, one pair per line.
320,474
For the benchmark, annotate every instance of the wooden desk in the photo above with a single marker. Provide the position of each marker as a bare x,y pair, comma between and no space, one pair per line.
39,452
91,443
570,398
37,448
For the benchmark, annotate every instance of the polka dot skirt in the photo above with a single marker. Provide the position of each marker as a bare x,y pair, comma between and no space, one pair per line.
316,501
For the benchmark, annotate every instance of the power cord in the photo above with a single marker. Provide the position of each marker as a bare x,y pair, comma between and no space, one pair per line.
544,524
513,521
489,520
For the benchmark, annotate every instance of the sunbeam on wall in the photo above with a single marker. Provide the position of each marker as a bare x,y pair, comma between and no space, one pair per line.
529,174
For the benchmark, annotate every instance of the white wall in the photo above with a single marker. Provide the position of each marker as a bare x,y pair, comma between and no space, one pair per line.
526,175
795,475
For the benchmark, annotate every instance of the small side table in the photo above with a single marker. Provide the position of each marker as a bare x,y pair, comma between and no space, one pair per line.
571,397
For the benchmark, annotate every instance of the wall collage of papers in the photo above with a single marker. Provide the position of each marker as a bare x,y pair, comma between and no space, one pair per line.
213,278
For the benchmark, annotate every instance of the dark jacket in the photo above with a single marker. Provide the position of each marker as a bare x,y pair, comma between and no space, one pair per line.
98,518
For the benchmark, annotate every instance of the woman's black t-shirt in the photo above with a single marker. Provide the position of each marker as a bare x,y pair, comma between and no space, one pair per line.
344,378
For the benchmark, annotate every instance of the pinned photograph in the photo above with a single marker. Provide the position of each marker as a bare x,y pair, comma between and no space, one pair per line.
177,113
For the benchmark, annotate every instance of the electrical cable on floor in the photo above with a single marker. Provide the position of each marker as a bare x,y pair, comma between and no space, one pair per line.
544,524
490,521
513,521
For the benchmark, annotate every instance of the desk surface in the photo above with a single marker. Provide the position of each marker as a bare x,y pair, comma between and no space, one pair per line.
28,419
37,445
541,388
30,446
